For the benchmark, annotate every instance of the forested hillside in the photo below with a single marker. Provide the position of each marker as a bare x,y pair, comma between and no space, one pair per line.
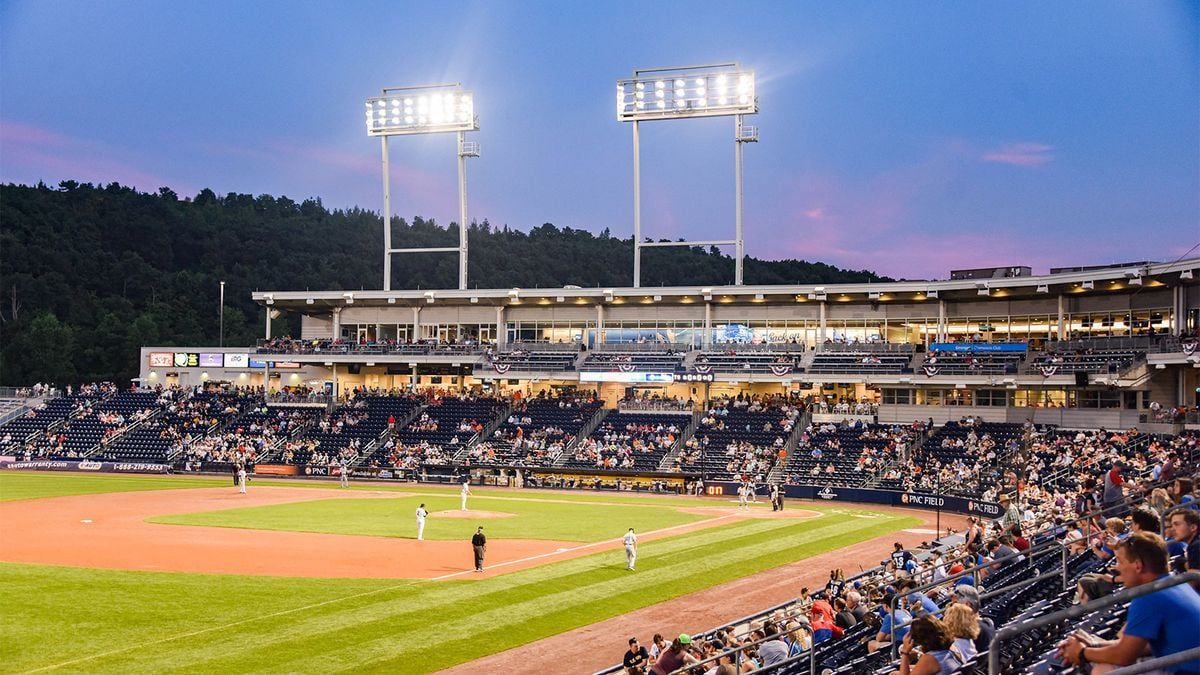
88,274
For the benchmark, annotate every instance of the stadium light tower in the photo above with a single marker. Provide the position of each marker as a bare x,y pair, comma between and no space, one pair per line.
718,90
424,109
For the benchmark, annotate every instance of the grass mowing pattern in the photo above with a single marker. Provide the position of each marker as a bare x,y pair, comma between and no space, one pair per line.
16,485
539,519
414,626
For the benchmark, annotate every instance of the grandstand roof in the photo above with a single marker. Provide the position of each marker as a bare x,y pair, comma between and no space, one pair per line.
1103,280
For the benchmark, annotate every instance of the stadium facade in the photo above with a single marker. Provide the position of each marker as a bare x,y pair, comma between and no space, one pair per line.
1097,345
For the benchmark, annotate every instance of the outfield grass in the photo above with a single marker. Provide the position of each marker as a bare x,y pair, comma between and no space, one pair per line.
16,485
534,519
110,621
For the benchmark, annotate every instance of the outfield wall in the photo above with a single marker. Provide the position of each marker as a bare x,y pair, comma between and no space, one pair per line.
914,500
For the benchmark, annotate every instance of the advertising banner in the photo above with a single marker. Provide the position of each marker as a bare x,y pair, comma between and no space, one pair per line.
277,469
162,359
978,347
87,465
211,360
915,500
631,377
187,360
237,360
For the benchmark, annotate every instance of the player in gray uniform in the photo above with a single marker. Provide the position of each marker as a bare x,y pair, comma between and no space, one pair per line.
421,515
344,470
630,549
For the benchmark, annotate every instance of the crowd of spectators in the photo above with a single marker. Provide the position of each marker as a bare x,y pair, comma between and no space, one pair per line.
941,628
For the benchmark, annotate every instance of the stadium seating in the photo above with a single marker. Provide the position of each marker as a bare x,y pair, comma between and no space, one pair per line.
753,436
536,431
883,358
636,441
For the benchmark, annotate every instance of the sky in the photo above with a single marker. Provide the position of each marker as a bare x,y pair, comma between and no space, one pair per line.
908,138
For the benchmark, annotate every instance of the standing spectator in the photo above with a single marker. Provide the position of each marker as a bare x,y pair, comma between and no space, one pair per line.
1114,491
1161,623
1011,517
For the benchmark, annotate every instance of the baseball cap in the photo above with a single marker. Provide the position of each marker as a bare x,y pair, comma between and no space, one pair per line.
956,568
684,639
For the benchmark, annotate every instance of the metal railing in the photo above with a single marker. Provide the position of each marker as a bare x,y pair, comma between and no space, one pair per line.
1158,663
1080,611
973,572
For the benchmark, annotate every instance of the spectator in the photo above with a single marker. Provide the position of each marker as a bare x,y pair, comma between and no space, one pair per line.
855,604
675,657
898,618
938,654
1161,623
963,624
773,650
845,618
636,659
969,596
1185,529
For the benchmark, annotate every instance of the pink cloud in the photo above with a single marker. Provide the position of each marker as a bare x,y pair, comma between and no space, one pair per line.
33,153
1020,154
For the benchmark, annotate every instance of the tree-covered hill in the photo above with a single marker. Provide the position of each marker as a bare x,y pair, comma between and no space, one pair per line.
89,274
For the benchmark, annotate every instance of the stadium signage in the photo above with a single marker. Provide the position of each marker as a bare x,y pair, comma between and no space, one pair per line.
277,469
603,376
978,347
187,360
914,500
696,377
87,465
237,360
211,361
162,359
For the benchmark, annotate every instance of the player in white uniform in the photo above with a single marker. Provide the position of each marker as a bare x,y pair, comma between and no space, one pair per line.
242,478
344,471
421,514
630,549
466,490
743,496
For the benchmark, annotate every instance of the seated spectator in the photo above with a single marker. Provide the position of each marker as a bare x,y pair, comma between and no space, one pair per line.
967,595
675,657
1159,624
963,624
899,618
637,659
773,650
938,655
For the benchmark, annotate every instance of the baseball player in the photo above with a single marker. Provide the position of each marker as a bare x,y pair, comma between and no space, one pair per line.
630,549
241,474
742,497
466,490
421,514
344,470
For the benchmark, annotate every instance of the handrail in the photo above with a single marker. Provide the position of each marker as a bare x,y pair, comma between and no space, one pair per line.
972,572
1158,662
1079,611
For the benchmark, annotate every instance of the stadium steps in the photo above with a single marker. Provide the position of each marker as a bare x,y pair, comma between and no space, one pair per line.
584,432
401,423
689,431
801,423
488,431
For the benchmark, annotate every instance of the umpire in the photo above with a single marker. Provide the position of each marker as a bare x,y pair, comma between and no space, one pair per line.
479,544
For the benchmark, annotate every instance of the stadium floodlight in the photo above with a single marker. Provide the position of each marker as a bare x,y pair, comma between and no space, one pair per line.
718,90
424,109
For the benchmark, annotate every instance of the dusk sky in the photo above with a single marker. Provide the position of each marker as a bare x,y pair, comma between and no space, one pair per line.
902,137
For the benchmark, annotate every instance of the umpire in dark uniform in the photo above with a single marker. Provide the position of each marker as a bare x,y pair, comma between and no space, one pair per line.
479,544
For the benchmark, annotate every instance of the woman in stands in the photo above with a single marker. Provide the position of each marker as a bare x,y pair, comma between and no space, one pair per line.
938,655
963,624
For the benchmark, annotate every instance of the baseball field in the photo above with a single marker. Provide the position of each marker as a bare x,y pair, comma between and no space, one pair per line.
148,574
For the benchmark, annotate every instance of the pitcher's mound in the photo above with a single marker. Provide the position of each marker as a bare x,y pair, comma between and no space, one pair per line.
454,513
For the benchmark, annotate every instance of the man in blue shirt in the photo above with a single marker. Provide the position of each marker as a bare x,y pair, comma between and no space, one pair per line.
1161,623
917,602
900,618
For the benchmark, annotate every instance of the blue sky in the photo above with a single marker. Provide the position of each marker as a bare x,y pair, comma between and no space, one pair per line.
903,137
